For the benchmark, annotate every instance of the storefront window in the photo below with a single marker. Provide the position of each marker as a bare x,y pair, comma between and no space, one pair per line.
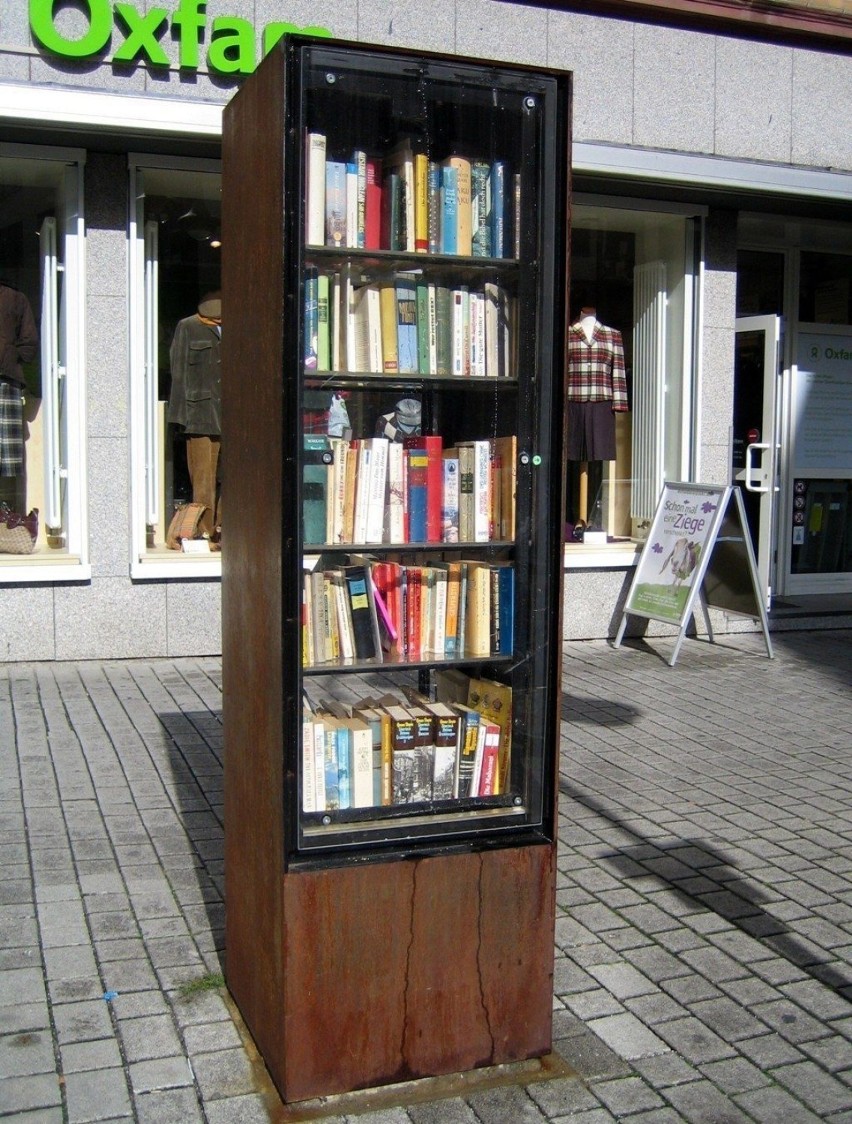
178,324
42,462
632,275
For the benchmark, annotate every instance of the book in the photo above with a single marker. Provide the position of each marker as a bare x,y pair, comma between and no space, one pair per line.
417,460
466,498
468,741
504,450
502,608
335,203
421,203
337,323
493,700
376,489
363,611
373,204
396,493
488,766
400,160
373,718
498,209
411,777
432,446
351,238
449,210
462,166
477,637
309,795
316,459
311,327
446,732
433,189
359,160
451,627
361,762
450,496
337,490
367,328
424,328
443,329
331,772
480,467
476,335
323,360
315,144
346,639
480,209
390,350
412,593
497,331
393,214
459,329
406,323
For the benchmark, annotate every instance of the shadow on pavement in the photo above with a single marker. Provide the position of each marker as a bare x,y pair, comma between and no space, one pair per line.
705,880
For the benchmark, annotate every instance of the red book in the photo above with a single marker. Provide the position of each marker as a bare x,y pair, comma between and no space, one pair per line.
412,612
373,208
490,755
434,481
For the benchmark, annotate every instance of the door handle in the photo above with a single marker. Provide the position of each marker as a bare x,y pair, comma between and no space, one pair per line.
750,466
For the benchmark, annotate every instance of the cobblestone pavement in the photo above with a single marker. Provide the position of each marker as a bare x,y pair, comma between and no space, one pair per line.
704,932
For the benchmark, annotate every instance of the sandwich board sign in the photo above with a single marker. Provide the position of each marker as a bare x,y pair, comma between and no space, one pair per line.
698,549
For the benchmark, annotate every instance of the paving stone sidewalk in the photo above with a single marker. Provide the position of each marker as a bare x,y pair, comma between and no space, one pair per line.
704,936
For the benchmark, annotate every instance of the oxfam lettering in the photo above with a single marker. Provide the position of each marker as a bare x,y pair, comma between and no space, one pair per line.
231,41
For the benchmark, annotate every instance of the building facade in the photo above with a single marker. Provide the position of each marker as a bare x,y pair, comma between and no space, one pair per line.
712,182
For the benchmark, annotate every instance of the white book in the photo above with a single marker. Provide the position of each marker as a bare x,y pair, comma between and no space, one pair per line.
477,761
396,493
439,612
352,205
344,617
361,778
459,356
309,791
315,194
337,489
375,520
359,158
481,489
450,498
362,490
497,337
367,316
348,329
433,327
319,765
477,335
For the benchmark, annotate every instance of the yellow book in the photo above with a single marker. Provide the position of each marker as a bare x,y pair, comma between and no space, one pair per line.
390,352
421,203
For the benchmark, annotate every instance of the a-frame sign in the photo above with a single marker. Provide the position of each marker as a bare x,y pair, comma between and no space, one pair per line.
698,548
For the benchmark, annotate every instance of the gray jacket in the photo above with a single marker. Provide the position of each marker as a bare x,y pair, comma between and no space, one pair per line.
195,402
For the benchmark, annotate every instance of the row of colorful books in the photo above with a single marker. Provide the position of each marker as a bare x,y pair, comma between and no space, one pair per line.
406,324
407,201
388,751
377,610
373,490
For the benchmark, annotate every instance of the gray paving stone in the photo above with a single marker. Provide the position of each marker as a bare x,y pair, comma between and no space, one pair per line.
494,1106
627,1095
25,1055
167,1106
694,1041
627,1036
701,1102
820,1091
97,1095
774,1104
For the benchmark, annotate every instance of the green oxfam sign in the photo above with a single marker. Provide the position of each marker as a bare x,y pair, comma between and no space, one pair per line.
231,45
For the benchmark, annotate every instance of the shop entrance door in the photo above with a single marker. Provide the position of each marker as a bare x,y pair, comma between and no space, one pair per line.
755,449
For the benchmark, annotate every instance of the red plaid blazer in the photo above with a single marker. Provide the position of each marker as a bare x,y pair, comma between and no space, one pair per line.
595,370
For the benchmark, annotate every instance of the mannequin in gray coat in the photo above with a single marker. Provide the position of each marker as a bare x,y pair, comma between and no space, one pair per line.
195,402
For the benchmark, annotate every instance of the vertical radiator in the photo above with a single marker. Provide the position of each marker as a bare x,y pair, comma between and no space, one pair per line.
649,340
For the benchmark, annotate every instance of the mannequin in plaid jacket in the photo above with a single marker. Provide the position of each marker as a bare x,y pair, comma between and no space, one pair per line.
595,387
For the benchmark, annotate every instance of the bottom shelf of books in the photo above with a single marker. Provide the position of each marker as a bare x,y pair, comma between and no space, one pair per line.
395,755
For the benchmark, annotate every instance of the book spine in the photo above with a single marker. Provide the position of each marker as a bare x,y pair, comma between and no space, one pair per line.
352,205
315,205
449,210
323,323
309,795
375,518
373,205
361,752
423,327
335,203
396,488
498,209
450,498
406,332
459,356
433,187
421,203
418,464
311,326
480,209
443,330
359,158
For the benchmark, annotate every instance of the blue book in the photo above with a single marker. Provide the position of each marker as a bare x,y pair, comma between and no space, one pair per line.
332,782
449,211
344,765
498,209
506,609
335,203
406,323
433,192
418,465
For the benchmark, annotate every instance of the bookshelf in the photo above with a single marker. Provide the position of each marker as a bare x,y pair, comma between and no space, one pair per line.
396,227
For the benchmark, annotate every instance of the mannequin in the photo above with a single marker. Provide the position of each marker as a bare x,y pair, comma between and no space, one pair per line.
595,391
18,345
195,402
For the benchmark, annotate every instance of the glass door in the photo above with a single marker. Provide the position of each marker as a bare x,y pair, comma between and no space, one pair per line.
754,447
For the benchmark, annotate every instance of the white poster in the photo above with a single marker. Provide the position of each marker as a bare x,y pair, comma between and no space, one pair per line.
822,433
